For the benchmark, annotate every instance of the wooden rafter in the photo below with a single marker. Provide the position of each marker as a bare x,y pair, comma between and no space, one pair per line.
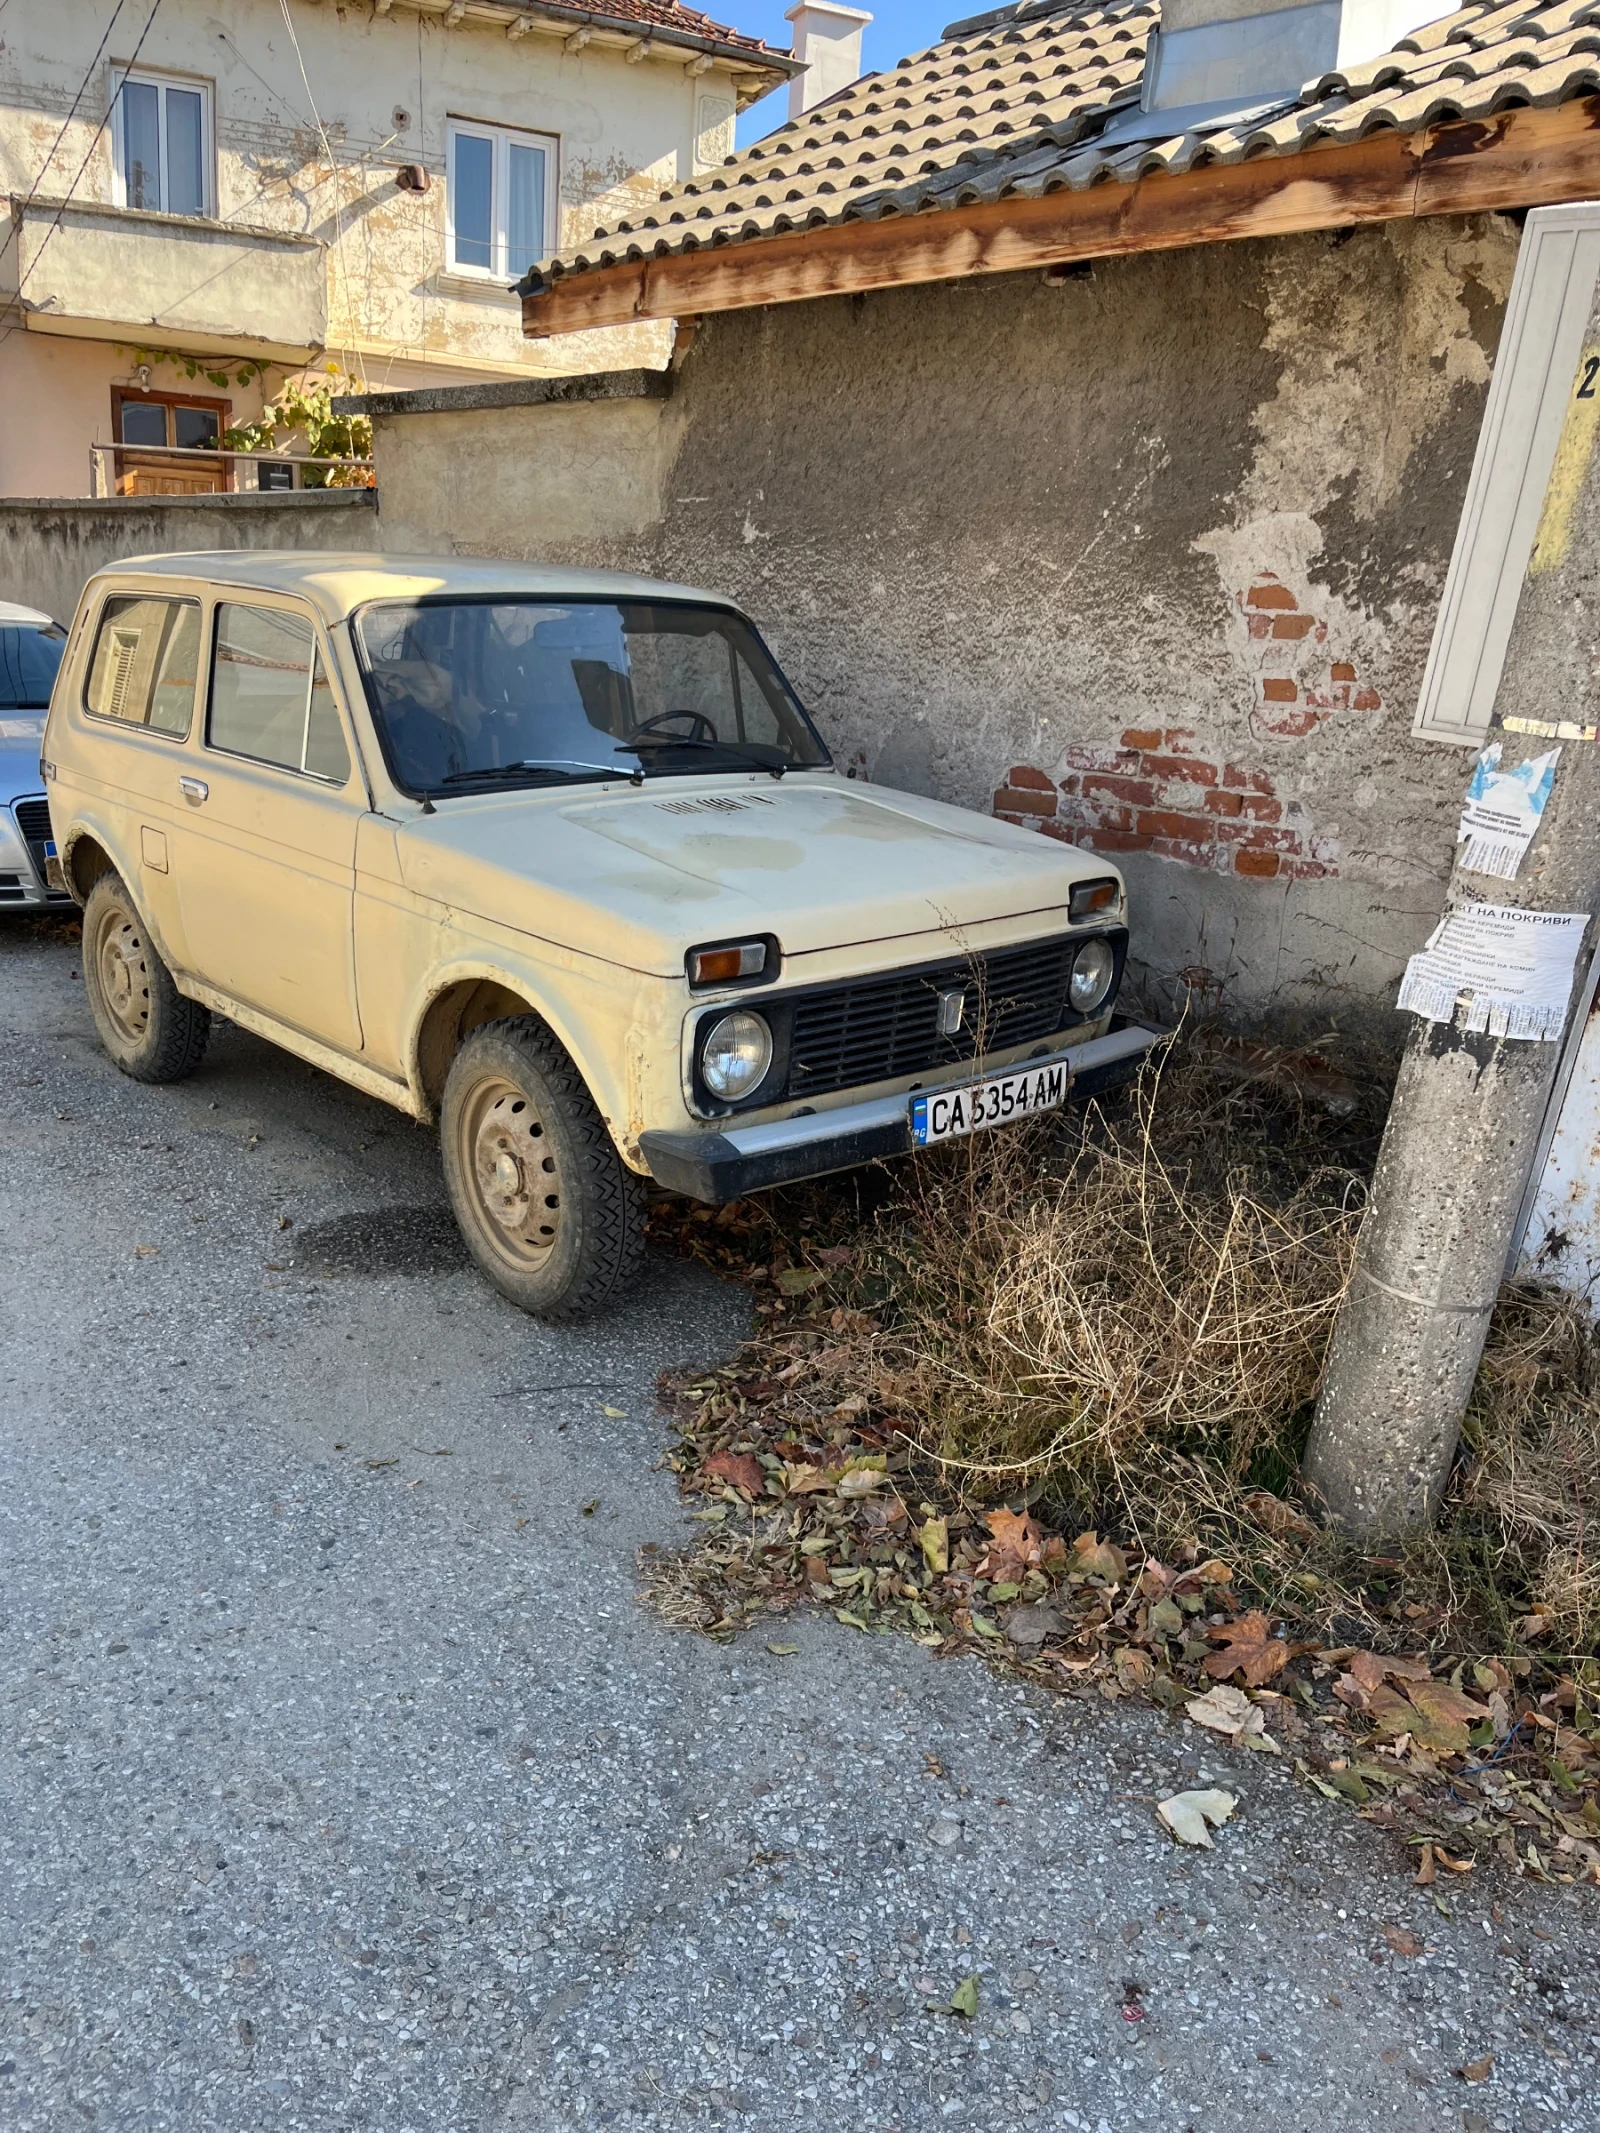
1519,158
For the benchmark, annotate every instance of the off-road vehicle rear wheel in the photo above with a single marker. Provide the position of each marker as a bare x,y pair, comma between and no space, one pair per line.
144,1022
548,1208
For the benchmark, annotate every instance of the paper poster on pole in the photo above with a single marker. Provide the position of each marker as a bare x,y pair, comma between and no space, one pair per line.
1509,971
1502,811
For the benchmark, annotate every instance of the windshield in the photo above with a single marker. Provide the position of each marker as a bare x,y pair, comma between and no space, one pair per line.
477,693
30,652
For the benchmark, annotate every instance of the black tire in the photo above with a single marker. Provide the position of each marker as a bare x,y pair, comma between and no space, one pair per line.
548,1208
149,1028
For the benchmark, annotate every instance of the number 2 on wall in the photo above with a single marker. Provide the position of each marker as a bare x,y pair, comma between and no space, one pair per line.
1591,370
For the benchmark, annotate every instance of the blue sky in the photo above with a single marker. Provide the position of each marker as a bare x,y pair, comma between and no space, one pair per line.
897,27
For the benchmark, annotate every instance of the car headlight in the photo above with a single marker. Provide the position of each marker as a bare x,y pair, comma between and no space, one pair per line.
13,852
736,1055
1093,968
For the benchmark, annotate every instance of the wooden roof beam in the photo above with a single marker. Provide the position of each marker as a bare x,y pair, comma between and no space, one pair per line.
1520,158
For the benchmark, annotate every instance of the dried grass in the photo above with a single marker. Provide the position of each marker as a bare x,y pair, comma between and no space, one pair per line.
1105,1313
1123,1320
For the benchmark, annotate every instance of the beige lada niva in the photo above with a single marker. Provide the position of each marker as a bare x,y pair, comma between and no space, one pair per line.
557,859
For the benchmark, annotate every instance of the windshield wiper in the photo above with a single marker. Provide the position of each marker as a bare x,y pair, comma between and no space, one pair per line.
561,767
759,758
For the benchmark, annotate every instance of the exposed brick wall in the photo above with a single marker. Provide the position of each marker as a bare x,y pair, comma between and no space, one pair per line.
1166,792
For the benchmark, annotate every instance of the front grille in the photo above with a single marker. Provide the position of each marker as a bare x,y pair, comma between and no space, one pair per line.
877,1029
33,819
11,889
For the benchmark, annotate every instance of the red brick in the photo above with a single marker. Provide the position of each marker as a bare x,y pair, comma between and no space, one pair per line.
1069,784
1188,767
1258,837
1025,776
1273,691
1368,700
1288,725
1306,870
1256,809
1270,594
1179,740
1263,865
1112,785
1238,779
1191,851
1224,803
1027,803
1017,820
1163,822
1142,737
1293,626
1108,814
1343,671
1260,625
1115,841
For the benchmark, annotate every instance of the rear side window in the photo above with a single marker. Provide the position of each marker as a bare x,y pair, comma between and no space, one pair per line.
146,664
270,695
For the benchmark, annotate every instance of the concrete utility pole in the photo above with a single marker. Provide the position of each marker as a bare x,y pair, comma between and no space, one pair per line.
1464,1128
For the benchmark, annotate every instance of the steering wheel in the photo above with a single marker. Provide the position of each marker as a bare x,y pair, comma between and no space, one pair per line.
701,727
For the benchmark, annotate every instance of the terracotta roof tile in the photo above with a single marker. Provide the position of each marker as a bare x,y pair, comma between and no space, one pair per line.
1016,105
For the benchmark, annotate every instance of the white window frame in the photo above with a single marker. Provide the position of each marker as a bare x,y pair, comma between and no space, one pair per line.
502,139
192,84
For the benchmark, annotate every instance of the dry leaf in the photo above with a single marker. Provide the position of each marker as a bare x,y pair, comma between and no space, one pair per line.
1278,1518
1443,1717
1250,1649
1092,1557
1476,2069
739,1468
1186,1815
1015,1548
803,1480
1229,1711
1424,1877
1402,1941
859,1481
934,1541
1372,1669
1135,1669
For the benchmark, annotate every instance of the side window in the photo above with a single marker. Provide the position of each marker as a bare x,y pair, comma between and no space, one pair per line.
270,696
145,664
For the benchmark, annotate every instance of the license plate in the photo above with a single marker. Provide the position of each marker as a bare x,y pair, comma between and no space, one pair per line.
997,1100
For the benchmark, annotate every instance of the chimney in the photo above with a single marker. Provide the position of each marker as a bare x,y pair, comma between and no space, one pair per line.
827,38
1216,61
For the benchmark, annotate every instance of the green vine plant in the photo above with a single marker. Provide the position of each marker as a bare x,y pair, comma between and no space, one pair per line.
306,407
193,366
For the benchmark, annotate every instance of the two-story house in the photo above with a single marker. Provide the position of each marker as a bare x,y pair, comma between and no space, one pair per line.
207,197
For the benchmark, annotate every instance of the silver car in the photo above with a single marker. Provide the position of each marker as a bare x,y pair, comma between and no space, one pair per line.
31,645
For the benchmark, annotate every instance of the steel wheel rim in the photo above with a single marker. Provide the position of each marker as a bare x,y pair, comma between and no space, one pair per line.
122,968
509,1163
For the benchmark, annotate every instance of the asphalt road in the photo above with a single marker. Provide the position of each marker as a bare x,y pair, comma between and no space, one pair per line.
344,1785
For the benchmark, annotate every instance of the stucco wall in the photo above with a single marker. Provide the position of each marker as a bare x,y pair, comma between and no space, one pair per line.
316,154
1156,552
49,546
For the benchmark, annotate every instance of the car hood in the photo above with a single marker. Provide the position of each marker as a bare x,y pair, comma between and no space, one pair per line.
639,875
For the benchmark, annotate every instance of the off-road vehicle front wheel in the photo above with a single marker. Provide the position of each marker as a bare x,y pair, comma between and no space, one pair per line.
144,1022
548,1208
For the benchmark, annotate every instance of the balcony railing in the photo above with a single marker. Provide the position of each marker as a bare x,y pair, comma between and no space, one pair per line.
194,470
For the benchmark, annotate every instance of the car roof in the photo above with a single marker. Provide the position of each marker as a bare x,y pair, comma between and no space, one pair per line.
338,583
12,617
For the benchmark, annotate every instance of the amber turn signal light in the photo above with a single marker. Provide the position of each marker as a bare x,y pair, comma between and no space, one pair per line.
726,965
1089,897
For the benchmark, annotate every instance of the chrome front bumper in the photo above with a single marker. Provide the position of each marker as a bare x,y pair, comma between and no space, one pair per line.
726,1164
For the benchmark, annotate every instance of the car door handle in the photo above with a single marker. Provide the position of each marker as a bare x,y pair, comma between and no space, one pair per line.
194,790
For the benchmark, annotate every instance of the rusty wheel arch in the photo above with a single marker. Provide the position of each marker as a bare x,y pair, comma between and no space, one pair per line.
451,1017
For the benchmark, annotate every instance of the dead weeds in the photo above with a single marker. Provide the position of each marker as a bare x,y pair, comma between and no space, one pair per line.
1043,1396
